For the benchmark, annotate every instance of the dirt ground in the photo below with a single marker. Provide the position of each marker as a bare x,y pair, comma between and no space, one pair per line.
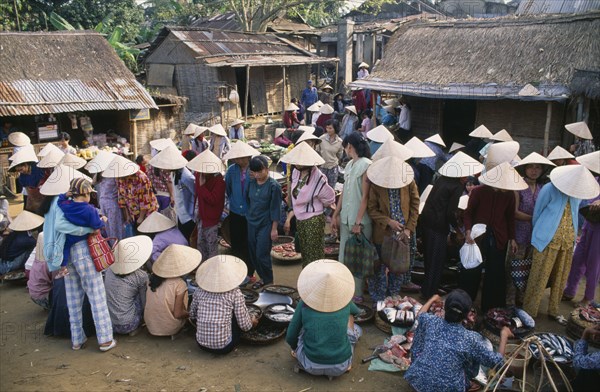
29,361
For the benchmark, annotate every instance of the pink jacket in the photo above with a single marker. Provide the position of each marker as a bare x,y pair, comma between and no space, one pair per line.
314,196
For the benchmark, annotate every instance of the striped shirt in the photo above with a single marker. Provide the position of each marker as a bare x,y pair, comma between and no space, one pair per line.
213,313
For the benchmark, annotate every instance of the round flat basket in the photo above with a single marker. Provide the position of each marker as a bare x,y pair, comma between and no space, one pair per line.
276,312
367,313
250,296
255,311
283,255
14,275
280,289
265,333
382,325
576,325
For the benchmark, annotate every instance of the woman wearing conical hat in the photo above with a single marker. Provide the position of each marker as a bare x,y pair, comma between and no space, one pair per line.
555,220
108,194
18,244
219,143
290,118
163,231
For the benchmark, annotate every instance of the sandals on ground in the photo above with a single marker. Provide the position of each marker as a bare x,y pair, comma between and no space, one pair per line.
79,347
112,345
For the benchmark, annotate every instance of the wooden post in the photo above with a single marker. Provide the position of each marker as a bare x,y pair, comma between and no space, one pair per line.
283,101
374,51
134,139
547,129
337,68
247,91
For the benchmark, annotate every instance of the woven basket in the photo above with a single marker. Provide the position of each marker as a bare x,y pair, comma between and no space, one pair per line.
368,317
495,339
382,325
250,337
277,256
575,327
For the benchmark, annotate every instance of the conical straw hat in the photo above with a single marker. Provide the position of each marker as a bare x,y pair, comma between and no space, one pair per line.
463,202
327,87
60,180
199,131
235,122
155,223
575,181
391,148
120,167
351,108
424,196
291,108
279,132
221,273
501,136
190,130
580,129
437,139
393,102
19,139
379,134
326,109
591,161
176,261
363,64
131,253
218,129
418,148
315,106
559,153
307,136
240,149
302,155
503,176
100,162
207,162
501,152
391,173
22,156
26,221
169,159
481,132
389,108
326,285
16,150
73,161
161,144
306,128
47,148
460,165
456,146
51,159
534,157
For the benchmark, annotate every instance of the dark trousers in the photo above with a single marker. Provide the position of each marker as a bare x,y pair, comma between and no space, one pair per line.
186,229
236,334
259,246
238,228
435,257
493,294
425,177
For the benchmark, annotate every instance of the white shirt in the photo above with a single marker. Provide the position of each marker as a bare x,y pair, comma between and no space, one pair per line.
315,117
240,133
362,73
404,118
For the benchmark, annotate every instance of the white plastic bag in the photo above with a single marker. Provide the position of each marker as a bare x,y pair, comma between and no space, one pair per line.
470,255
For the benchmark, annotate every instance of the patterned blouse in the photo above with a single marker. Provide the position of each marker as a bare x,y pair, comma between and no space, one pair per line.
582,359
135,194
446,355
395,208
160,181
565,235
526,204
213,314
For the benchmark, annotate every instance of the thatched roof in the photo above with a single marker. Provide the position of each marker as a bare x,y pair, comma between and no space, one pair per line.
488,58
64,72
586,83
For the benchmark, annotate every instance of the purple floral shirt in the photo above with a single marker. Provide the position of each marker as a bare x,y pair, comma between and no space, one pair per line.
527,200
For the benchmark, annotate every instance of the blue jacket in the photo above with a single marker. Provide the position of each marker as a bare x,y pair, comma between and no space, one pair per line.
233,186
548,211
56,228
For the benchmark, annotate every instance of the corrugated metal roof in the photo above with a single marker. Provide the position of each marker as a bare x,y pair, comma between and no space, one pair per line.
530,7
31,97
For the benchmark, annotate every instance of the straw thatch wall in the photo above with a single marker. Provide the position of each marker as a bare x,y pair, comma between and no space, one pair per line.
504,51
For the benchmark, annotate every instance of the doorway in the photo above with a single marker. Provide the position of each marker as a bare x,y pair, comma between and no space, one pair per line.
240,77
458,120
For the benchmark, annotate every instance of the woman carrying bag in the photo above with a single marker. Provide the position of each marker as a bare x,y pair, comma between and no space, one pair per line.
394,207
351,215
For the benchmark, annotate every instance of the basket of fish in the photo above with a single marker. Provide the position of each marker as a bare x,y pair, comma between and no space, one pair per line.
398,311
279,313
266,332
280,289
558,347
254,311
580,319
365,315
250,296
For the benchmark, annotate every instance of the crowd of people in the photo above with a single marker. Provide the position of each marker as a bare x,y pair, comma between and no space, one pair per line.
166,211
